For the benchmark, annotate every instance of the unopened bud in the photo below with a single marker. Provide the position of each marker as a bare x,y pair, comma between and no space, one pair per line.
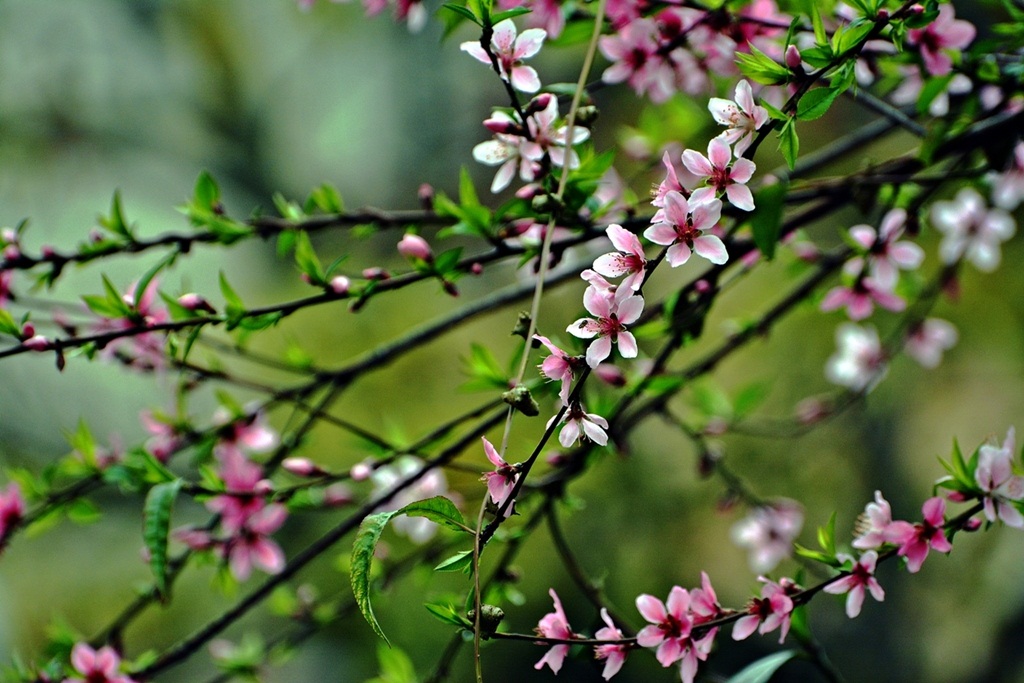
361,471
793,60
917,8
194,302
376,273
36,342
490,618
263,487
973,524
476,269
426,196
503,126
519,398
337,495
339,284
414,246
610,374
301,467
522,325
538,103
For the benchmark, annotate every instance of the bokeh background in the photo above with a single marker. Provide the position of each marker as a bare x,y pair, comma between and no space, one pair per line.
142,96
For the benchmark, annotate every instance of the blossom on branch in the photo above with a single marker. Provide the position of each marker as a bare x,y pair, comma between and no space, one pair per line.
579,423
859,362
773,610
510,51
630,260
12,510
559,366
612,312
927,340
972,230
861,575
96,666
882,254
554,625
768,532
502,480
614,655
685,228
945,33
1001,485
742,115
721,176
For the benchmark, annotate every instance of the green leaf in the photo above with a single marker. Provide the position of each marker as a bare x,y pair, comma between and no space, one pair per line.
326,199
206,194
359,571
763,669
461,561
815,103
115,222
82,511
759,67
143,284
827,536
467,192
750,397
307,260
439,510
156,527
447,613
395,666
766,220
789,143
819,27
508,14
234,305
7,324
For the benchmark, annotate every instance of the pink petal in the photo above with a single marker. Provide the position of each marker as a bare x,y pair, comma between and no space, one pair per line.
740,197
529,43
629,309
719,154
525,79
744,627
598,350
268,556
742,170
492,454
677,254
624,240
627,345
711,248
653,610
662,233
473,48
697,163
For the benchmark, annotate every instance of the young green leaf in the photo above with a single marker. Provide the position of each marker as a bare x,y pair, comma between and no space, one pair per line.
155,529
439,510
815,103
359,571
763,669
766,220
789,143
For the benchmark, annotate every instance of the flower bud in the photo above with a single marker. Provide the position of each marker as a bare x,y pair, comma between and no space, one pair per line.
476,269
426,196
337,495
415,247
376,273
361,471
36,342
301,467
194,302
538,103
503,126
339,284
793,58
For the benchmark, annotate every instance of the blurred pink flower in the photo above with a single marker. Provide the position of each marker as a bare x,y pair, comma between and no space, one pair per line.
554,625
768,531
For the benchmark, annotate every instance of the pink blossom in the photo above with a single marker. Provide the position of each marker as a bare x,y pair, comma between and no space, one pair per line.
413,246
669,624
926,342
672,181
704,605
142,350
742,116
547,139
915,540
875,525
164,437
579,423
773,610
244,491
768,532
720,176
545,14
630,260
687,229
250,432
510,52
502,480
505,151
96,666
1007,187
945,33
554,625
1002,487
252,547
12,510
6,279
972,230
883,254
339,285
669,631
912,85
612,314
613,654
859,362
859,299
633,51
861,575
559,366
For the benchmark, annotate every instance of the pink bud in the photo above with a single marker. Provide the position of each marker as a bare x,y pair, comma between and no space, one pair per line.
883,13
337,495
702,286
917,8
301,467
793,57
194,302
8,236
538,103
361,471
376,273
95,235
610,374
263,487
12,253
476,269
973,524
28,330
426,195
47,251
502,126
339,284
415,247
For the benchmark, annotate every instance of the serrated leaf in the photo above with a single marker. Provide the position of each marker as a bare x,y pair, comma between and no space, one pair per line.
439,510
815,103
819,26
359,570
757,66
766,220
763,669
459,562
156,527
789,143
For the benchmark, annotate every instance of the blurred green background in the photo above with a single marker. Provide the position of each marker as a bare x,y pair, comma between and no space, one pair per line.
141,96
